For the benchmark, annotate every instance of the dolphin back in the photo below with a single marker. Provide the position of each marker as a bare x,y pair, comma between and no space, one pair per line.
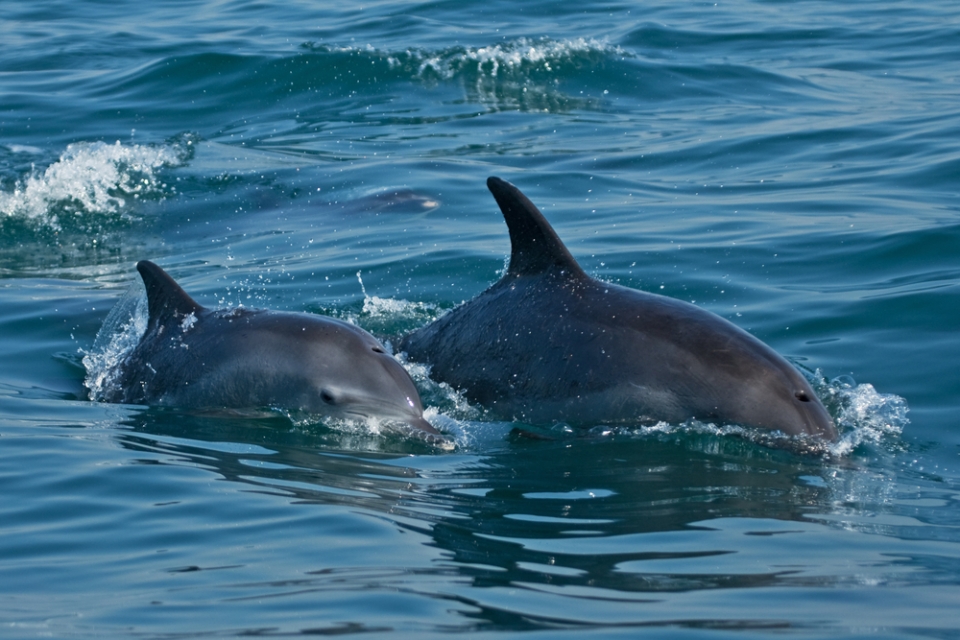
548,342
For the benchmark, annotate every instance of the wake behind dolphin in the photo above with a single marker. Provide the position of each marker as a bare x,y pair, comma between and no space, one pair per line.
549,343
198,358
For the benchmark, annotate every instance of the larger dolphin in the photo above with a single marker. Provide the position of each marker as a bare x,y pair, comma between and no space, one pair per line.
200,358
549,343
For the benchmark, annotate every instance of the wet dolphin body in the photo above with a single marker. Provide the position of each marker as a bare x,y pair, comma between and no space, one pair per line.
549,343
200,358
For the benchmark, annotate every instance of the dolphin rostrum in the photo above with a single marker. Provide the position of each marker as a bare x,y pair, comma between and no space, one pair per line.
199,358
550,343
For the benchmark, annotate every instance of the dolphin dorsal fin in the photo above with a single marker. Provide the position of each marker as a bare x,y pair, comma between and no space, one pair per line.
534,246
166,300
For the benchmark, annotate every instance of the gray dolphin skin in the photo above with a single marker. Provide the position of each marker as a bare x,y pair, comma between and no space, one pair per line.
199,358
549,343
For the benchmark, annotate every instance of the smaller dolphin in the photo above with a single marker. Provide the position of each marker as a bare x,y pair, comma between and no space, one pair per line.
548,342
200,358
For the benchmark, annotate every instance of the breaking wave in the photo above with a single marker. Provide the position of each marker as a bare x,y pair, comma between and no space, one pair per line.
90,180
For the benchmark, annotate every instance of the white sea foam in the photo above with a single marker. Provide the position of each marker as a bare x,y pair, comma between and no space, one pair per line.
90,179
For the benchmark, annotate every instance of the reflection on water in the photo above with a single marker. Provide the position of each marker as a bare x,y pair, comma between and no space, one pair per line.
517,531
626,516
252,517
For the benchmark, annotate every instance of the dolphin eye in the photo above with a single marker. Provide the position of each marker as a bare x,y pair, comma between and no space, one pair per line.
801,396
377,349
327,397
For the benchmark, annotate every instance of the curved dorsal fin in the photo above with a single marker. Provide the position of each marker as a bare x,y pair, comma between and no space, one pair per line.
534,246
166,300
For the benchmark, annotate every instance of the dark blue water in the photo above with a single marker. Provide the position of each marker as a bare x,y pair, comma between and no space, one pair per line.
793,167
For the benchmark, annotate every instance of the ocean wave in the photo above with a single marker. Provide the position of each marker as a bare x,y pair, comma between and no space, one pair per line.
523,73
92,179
505,59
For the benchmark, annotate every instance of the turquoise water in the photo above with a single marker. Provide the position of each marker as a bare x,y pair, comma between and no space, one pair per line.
793,167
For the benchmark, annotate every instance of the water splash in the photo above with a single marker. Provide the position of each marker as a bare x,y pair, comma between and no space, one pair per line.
121,332
387,311
90,180
863,415
386,316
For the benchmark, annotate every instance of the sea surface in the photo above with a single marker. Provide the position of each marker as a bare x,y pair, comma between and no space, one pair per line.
791,166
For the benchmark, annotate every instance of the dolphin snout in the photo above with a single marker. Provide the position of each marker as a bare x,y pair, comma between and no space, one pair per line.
823,426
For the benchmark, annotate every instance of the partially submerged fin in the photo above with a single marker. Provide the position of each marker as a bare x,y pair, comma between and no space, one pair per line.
166,300
535,246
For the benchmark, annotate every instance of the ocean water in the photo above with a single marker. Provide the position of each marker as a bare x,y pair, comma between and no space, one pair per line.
793,167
